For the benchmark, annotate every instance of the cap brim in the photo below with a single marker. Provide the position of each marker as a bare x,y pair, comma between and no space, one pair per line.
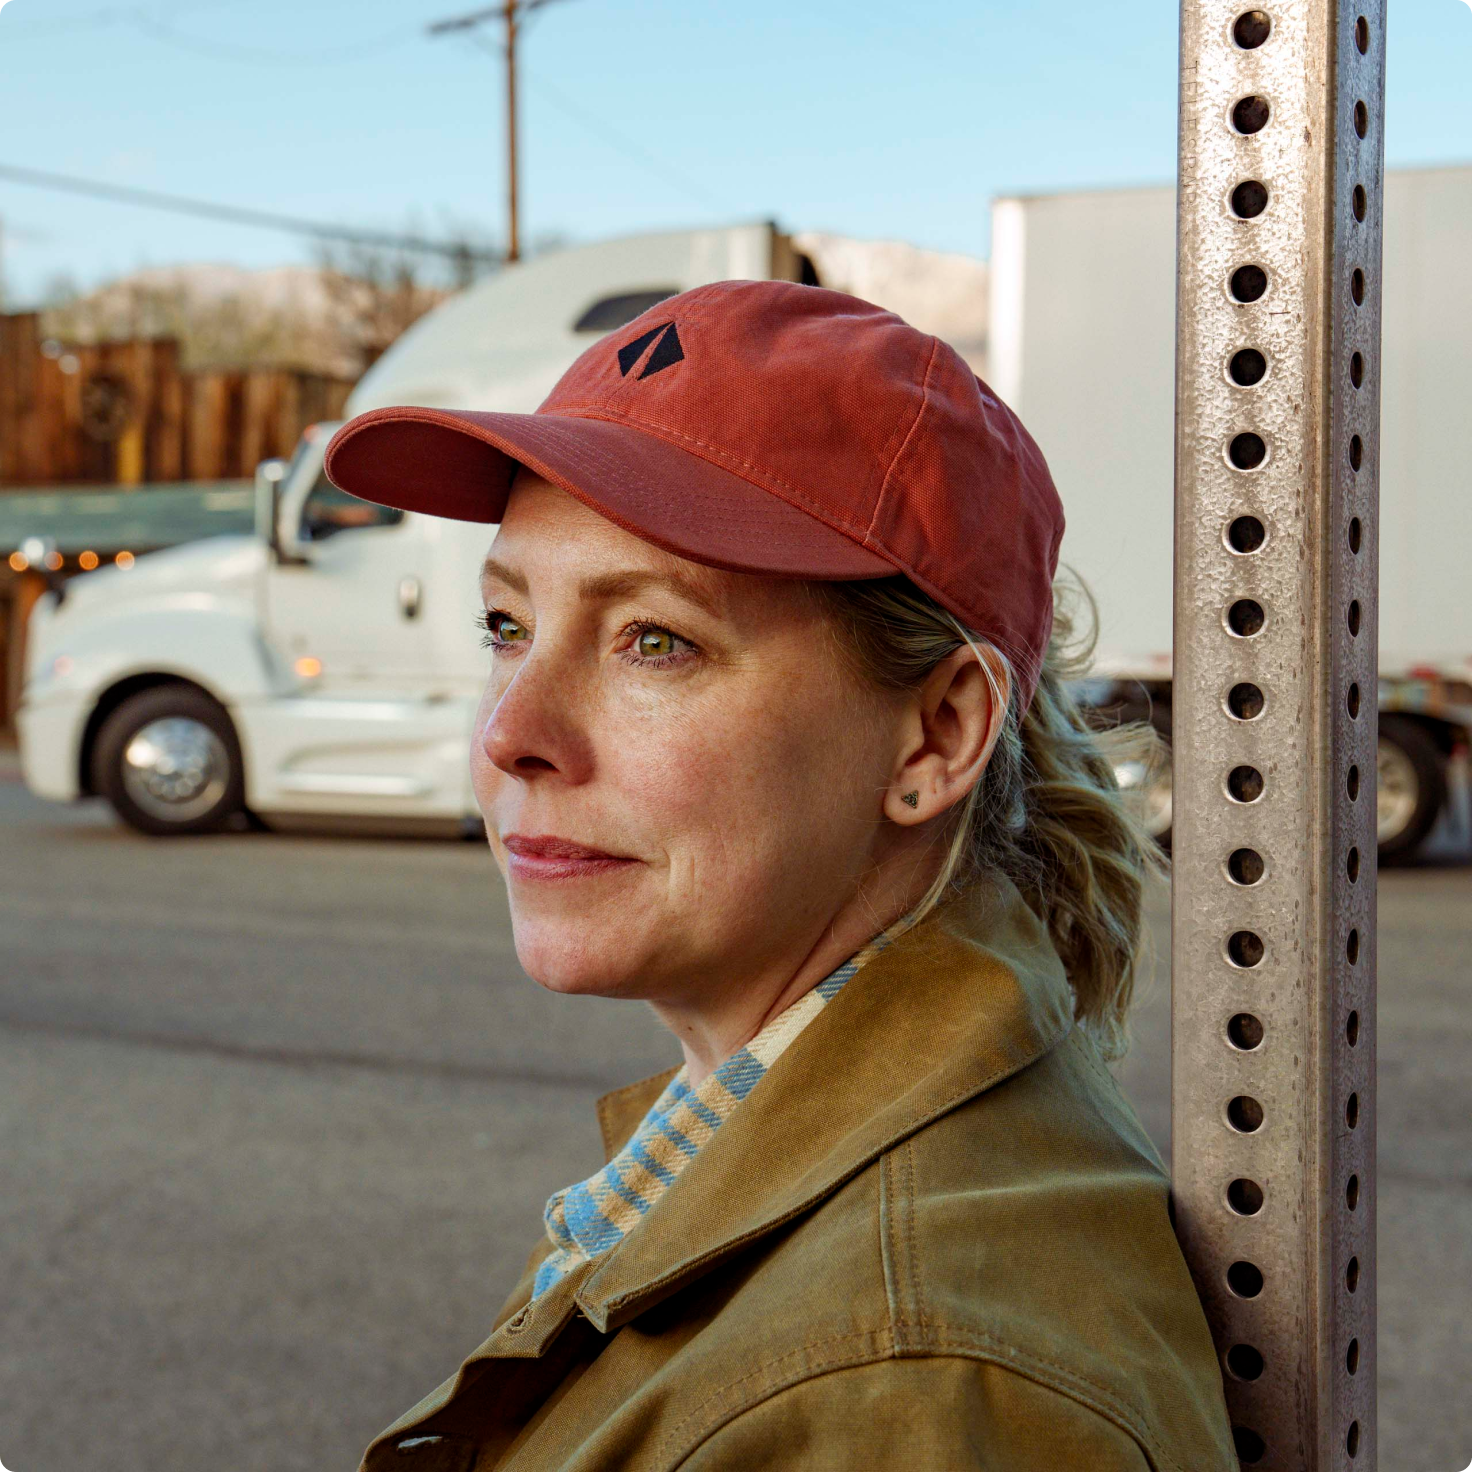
460,464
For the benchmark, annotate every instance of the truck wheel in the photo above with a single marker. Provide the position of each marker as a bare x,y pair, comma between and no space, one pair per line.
1411,787
168,761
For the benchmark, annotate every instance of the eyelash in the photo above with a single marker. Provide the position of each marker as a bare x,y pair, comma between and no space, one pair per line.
486,622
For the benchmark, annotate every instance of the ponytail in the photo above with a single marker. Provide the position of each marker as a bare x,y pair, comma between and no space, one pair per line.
1047,811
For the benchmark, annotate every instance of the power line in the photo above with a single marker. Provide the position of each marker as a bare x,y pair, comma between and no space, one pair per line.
260,55
111,15
618,142
239,215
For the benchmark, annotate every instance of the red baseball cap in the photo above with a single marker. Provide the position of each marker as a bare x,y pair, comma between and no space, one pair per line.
764,427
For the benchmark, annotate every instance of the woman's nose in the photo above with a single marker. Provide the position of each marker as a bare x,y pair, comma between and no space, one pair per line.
532,727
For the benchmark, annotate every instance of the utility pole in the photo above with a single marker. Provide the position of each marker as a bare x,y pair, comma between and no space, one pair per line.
509,12
1274,705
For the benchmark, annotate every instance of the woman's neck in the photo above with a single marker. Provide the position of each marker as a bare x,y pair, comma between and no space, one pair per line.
712,1025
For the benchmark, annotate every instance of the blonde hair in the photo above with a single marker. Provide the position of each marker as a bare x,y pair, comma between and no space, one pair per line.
1047,811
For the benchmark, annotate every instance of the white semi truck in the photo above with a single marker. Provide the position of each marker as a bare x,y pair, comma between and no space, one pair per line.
327,665
1081,344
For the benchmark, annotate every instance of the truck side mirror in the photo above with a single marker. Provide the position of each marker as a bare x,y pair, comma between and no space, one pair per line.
269,477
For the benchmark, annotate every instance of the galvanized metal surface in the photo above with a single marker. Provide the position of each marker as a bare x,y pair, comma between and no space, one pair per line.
1273,942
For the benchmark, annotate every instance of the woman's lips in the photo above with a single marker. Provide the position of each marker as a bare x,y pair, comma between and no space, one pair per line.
542,856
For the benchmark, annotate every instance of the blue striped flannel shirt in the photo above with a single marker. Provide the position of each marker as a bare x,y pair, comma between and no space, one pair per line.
587,1219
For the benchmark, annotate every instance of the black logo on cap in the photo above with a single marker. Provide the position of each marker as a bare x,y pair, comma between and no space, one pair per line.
667,350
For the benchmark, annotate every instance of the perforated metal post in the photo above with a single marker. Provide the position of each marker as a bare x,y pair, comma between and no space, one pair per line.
1274,713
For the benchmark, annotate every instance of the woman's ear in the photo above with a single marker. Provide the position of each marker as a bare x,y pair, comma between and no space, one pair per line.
948,735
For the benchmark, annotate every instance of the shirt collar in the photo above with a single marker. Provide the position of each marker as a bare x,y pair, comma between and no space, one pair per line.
589,1218
971,995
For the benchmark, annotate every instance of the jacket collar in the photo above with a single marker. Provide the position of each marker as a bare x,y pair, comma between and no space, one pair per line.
968,997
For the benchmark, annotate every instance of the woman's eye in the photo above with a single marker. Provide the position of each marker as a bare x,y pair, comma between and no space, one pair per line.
654,643
652,647
502,629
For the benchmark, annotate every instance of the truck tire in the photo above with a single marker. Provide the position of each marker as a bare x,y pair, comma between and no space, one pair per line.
1411,787
168,761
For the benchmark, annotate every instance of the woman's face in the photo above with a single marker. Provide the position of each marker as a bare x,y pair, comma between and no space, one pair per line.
680,777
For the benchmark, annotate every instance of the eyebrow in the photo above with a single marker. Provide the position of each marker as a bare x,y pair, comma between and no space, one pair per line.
614,584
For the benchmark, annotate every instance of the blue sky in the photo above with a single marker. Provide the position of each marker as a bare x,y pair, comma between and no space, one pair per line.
867,118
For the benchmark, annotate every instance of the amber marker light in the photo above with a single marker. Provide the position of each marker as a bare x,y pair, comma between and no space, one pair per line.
54,561
124,559
19,562
308,666
87,561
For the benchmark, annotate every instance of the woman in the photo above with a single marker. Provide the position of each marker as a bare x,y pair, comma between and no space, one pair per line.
777,738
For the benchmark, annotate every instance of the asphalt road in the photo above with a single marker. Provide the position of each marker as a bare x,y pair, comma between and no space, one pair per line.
279,1114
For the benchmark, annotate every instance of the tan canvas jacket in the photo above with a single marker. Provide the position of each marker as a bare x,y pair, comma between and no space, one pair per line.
933,1237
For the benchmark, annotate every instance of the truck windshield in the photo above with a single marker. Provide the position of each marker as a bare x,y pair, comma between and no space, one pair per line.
327,511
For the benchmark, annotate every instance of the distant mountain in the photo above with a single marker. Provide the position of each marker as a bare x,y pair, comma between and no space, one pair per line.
325,321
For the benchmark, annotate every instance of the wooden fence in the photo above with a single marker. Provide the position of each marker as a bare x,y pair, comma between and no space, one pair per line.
123,413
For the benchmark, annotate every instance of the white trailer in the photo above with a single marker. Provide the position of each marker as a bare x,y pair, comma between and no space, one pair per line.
1082,340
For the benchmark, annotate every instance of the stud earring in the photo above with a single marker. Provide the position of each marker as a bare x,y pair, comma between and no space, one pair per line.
912,799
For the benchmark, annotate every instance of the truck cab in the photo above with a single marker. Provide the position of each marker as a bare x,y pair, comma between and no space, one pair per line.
329,666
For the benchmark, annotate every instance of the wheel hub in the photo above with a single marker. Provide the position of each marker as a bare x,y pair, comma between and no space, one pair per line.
175,768
1397,790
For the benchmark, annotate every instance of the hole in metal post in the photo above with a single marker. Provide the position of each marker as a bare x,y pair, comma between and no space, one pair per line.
1247,367
1352,1274
1352,1438
1244,1362
1245,1114
1248,283
1251,29
1352,783
1250,114
1245,1196
1246,451
1245,784
1358,202
1249,199
1352,617
1358,286
1245,949
1245,866
1352,952
1245,534
1244,1031
1362,35
1356,450
1352,1029
1245,1280
1352,701
1245,618
1352,865
1357,369
1245,702
1352,1357
1354,534
1362,119
1352,1192
1352,1111
1249,1446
